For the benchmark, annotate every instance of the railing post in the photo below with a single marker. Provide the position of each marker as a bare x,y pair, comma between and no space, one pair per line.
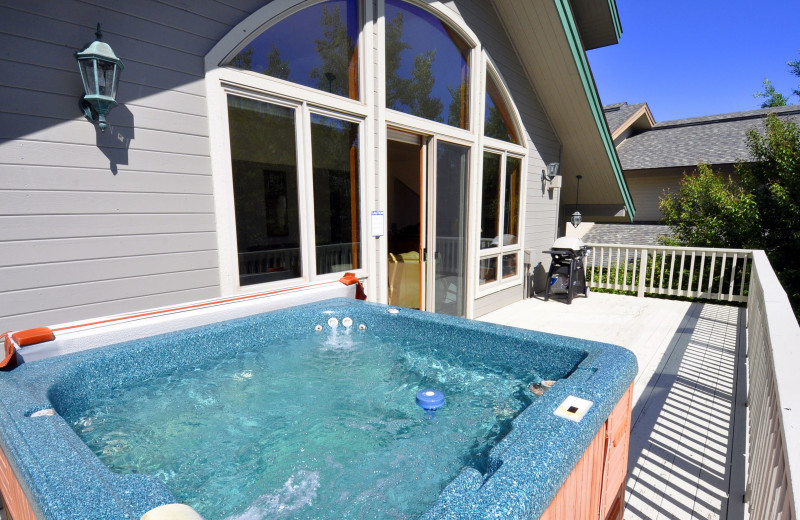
642,271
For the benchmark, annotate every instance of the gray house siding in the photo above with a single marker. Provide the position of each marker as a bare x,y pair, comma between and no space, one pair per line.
100,223
541,204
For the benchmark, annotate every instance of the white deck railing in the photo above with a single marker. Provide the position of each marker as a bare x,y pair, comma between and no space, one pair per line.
691,272
773,348
773,351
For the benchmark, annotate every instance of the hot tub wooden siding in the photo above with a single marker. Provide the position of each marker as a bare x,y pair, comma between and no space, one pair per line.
596,487
15,505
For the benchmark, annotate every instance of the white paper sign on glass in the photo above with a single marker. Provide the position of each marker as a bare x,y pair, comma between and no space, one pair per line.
378,223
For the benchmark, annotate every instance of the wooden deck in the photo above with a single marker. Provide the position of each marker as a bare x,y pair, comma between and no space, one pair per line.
688,426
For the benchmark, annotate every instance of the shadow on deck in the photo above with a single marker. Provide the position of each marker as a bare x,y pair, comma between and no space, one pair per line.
687,457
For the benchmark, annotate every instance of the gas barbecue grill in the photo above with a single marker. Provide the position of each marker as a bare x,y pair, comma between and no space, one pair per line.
566,275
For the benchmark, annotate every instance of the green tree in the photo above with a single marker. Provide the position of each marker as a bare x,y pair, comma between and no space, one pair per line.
761,210
774,179
794,68
773,97
710,210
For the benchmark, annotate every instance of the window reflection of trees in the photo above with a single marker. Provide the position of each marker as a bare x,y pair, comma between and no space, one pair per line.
498,120
511,217
492,220
490,195
410,88
339,56
288,51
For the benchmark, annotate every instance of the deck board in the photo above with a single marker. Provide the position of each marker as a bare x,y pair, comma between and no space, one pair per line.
687,439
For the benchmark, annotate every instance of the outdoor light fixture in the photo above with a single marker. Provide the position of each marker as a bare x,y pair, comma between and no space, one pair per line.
576,217
552,170
100,69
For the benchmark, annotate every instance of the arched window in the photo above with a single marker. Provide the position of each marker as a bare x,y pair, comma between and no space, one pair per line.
427,66
297,86
316,47
498,122
290,201
501,190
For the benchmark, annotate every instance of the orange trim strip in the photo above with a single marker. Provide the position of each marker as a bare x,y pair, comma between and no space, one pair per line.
187,307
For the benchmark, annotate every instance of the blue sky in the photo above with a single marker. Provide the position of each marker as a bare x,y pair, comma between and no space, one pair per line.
699,57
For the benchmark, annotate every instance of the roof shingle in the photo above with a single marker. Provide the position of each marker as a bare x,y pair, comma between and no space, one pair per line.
718,139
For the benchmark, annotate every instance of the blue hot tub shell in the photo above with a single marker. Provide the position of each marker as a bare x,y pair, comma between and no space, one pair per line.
63,479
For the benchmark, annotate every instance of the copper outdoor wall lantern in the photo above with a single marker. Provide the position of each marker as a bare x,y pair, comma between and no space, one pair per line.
100,69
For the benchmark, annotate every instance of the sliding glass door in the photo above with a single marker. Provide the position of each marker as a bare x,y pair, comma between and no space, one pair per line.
427,223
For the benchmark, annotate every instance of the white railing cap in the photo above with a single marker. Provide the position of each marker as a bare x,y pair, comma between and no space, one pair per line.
673,248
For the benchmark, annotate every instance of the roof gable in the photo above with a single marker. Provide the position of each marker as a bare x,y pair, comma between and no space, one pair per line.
622,116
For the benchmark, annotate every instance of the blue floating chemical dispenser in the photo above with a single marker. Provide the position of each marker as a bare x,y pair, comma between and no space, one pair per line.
430,399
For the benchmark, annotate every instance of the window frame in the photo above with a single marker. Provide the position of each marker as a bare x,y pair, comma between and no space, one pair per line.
501,249
522,147
222,80
388,119
275,12
505,149
400,119
230,84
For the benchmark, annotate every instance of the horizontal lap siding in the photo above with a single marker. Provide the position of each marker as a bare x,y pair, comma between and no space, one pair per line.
497,300
648,187
99,223
540,205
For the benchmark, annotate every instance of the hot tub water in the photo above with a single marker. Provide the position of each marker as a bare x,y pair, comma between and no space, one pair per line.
323,425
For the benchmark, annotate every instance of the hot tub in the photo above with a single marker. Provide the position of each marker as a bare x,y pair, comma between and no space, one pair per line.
48,405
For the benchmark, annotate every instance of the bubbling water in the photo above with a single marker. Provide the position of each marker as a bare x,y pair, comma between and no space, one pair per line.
323,426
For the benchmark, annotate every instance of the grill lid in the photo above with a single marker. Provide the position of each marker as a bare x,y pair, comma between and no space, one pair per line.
571,243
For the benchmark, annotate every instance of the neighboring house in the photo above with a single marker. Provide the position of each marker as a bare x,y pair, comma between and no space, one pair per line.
258,147
655,156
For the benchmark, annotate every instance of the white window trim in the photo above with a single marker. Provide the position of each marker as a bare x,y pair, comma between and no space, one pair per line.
499,251
505,149
222,80
224,199
523,147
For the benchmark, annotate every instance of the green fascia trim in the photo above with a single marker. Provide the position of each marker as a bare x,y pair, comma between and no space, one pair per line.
612,6
582,63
